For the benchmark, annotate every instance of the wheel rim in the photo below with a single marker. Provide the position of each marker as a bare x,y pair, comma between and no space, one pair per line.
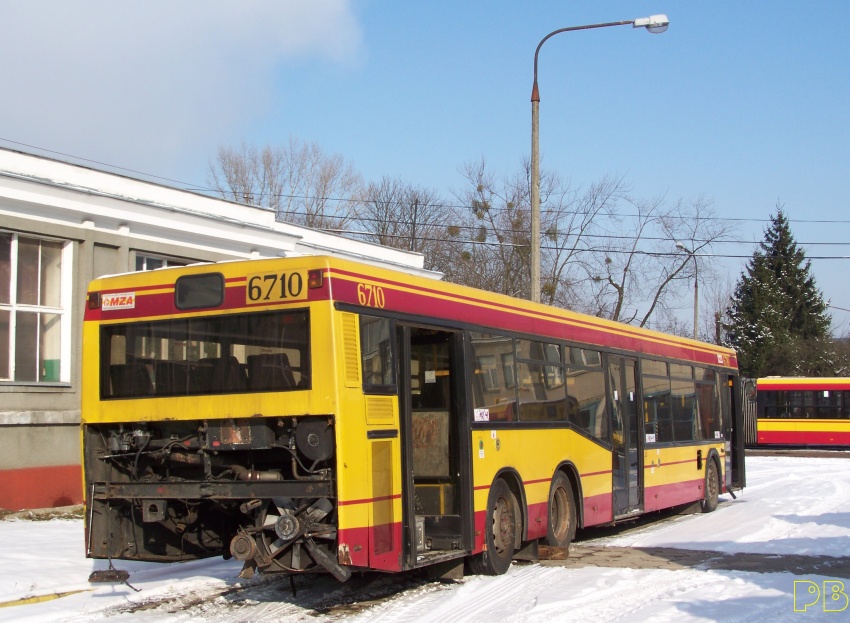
559,516
503,526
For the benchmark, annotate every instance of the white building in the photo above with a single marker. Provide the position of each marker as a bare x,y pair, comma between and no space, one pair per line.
62,225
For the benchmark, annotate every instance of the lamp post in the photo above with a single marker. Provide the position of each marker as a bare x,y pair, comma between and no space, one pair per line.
654,24
693,256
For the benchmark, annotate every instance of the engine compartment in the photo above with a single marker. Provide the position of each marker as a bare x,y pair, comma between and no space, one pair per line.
260,489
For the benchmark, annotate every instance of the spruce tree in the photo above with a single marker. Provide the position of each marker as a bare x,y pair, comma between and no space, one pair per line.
777,320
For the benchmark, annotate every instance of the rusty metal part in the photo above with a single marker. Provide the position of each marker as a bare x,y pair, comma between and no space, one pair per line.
109,576
287,526
183,457
253,475
325,560
243,547
211,490
248,507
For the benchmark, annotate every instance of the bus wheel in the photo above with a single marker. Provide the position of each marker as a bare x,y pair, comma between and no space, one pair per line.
562,512
712,487
501,527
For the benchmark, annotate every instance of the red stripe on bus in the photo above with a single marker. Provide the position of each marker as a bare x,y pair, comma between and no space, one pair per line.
801,385
159,286
598,509
804,437
466,309
673,494
384,498
602,473
158,303
587,322
514,309
162,303
670,463
534,482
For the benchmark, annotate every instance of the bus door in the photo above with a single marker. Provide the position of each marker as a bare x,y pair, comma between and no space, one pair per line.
430,393
627,455
734,434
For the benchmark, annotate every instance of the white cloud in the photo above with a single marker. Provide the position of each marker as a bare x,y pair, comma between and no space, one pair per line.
143,83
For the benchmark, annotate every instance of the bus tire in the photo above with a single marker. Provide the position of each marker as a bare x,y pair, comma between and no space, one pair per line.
502,524
562,512
712,487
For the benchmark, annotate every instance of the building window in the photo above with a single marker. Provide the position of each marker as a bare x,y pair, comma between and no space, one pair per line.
152,262
35,342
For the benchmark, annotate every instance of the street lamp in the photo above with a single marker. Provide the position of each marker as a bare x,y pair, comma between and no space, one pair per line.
693,256
654,24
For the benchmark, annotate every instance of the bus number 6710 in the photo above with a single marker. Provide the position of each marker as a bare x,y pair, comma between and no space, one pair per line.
274,287
371,296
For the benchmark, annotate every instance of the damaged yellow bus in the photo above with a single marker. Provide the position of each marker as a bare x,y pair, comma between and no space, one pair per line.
319,415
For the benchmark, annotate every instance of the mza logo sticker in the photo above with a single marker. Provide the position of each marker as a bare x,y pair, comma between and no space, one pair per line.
119,300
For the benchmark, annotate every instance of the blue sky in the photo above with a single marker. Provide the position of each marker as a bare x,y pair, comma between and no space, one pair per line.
744,103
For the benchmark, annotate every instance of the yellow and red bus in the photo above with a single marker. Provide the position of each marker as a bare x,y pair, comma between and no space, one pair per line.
318,415
803,412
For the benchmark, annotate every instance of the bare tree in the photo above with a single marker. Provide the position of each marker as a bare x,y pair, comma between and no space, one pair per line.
401,215
302,183
617,265
718,290
667,320
497,225
638,273
571,222
495,232
595,256
695,226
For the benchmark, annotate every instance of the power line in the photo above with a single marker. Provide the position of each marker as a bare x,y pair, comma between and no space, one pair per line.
201,188
497,210
432,225
485,243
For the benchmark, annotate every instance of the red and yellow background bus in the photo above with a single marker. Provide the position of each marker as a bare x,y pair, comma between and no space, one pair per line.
313,414
803,411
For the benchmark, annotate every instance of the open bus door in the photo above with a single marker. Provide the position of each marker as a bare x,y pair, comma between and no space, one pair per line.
734,434
435,484
627,455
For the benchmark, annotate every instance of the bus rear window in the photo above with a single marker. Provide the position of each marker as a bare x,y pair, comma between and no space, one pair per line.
258,352
199,291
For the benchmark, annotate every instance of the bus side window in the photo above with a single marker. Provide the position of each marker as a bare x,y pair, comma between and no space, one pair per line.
376,354
495,390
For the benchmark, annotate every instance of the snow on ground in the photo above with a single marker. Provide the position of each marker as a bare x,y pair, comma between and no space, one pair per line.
792,505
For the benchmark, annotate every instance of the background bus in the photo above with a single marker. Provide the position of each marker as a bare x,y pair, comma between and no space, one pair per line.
803,412
313,414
